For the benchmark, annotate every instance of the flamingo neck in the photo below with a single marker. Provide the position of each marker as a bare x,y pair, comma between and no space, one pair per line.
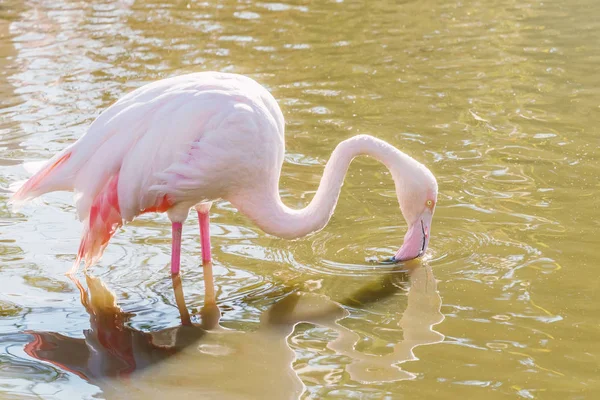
266,209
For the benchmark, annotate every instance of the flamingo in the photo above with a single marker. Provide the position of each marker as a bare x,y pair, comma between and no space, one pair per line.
186,141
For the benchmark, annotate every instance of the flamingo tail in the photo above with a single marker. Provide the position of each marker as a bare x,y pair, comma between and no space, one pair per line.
55,175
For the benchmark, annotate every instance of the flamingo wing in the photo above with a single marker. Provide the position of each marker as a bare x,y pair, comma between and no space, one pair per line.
175,141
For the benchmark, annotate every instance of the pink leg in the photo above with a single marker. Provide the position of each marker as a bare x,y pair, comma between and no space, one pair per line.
176,247
204,220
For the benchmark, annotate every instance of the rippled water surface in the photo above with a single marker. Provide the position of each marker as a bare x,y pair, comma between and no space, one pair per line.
500,99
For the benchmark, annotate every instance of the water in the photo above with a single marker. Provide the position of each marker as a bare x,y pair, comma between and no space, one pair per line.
499,99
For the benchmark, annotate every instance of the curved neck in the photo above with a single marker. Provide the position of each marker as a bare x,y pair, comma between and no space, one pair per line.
265,208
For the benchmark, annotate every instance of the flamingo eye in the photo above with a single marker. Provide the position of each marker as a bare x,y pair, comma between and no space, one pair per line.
429,203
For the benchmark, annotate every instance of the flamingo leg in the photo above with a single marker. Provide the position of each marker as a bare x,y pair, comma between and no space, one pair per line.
180,300
210,312
209,285
204,221
176,247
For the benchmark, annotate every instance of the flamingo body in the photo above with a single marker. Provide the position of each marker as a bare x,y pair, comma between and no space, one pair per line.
185,141
165,147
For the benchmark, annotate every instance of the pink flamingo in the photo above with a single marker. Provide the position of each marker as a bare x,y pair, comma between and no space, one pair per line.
186,141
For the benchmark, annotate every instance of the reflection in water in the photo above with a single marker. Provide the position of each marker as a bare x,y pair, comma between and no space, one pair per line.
417,321
209,360
110,348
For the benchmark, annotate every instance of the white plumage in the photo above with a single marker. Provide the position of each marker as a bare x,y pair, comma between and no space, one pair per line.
186,141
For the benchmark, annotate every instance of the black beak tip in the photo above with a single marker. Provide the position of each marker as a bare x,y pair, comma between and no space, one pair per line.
388,261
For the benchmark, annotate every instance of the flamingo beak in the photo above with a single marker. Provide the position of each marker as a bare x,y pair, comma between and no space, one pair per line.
416,239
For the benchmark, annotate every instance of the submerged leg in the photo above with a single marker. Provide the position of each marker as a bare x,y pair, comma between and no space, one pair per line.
204,221
209,285
176,247
210,312
180,300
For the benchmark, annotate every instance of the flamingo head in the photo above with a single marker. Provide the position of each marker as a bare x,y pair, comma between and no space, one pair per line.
417,190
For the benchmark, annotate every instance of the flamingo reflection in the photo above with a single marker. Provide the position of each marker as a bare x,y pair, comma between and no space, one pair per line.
422,313
111,348
198,359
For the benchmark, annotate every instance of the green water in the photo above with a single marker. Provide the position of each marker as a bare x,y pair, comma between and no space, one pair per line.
500,99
